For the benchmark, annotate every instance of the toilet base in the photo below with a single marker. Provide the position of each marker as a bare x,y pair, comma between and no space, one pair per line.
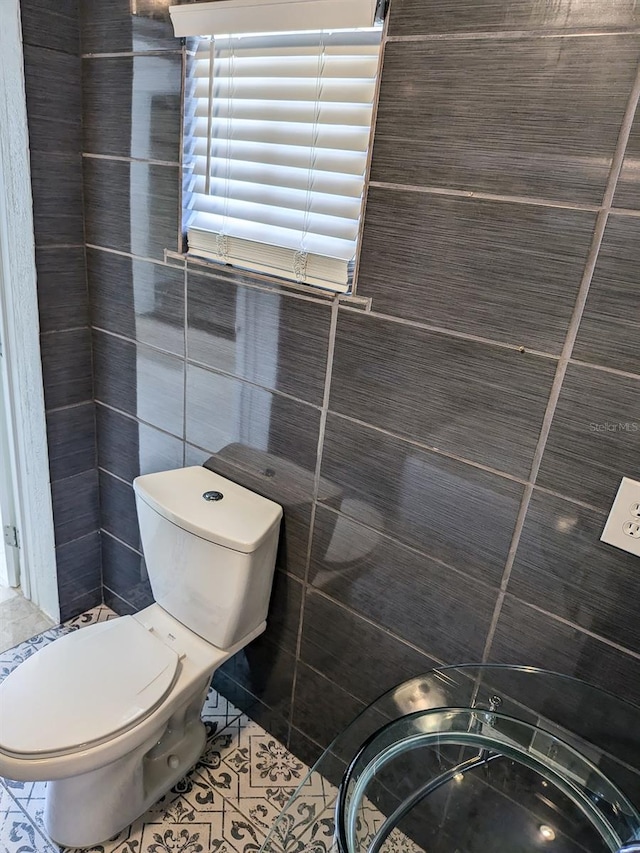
91,808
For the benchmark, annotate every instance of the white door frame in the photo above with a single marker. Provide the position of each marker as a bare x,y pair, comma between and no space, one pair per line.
20,331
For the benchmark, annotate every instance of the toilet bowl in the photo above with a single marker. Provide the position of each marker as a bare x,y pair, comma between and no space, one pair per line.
121,700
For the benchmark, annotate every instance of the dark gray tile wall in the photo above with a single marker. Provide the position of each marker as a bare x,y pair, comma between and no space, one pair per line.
404,443
54,110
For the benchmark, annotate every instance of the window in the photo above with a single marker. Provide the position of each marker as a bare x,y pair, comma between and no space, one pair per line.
277,131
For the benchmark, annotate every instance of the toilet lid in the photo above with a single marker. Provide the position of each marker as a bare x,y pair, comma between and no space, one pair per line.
84,687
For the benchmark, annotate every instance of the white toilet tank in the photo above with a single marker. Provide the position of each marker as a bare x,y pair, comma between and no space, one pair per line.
210,549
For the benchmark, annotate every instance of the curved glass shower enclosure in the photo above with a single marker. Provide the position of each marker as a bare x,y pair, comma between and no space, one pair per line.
475,758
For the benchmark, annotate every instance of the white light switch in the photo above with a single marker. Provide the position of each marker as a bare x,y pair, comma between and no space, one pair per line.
623,525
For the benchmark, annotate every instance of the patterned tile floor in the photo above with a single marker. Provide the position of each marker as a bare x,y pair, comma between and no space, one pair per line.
228,803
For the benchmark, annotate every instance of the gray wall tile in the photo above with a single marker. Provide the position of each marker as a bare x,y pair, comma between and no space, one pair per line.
56,186
321,708
273,340
628,188
71,435
236,420
274,722
138,299
75,506
415,496
481,402
266,672
118,510
562,567
354,648
124,573
51,23
117,604
610,327
53,100
510,272
131,207
141,120
413,17
140,381
128,448
528,117
443,612
62,289
66,368
594,437
79,575
283,617
529,637
113,27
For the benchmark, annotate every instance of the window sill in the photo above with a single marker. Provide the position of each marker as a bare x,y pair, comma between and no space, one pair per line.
247,278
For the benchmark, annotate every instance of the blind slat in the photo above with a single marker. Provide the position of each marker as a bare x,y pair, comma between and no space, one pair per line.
291,66
338,112
335,183
341,137
330,160
359,90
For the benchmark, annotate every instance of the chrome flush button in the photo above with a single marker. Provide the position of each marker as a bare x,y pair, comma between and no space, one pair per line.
213,496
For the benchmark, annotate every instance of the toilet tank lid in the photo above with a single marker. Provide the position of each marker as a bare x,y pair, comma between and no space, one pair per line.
239,519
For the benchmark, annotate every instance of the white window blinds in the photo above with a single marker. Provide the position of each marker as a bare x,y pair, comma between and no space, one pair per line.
276,141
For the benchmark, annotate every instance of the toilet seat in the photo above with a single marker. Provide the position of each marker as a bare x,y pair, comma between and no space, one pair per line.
86,687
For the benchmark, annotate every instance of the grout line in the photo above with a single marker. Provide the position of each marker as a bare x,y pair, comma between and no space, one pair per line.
202,366
121,159
115,476
604,369
485,196
54,246
307,737
124,54
623,139
624,211
571,500
515,35
64,331
431,449
121,542
137,343
130,255
492,587
556,618
452,333
116,595
378,627
563,363
342,689
316,489
70,406
138,420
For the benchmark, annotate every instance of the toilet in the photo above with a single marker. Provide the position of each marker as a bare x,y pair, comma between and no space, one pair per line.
109,715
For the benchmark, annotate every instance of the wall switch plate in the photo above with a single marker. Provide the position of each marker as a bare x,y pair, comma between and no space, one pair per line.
623,525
